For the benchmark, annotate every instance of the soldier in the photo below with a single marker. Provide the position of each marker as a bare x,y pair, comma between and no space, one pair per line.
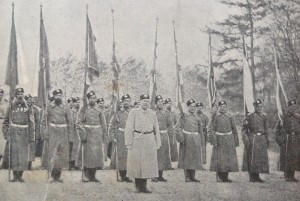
223,136
165,126
70,102
75,147
204,121
60,133
287,136
36,114
18,129
106,147
172,138
116,132
91,127
256,140
44,137
3,109
190,135
142,139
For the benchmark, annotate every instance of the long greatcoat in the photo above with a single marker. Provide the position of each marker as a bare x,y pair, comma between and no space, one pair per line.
142,157
3,109
224,157
255,158
165,127
59,135
172,138
116,131
18,128
287,137
190,135
91,126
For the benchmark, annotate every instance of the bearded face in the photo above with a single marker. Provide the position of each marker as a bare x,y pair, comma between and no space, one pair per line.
58,99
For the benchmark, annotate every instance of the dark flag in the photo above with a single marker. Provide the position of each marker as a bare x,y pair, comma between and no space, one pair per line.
12,78
153,86
44,74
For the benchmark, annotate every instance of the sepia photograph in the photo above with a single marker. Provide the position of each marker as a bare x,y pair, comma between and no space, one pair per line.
152,100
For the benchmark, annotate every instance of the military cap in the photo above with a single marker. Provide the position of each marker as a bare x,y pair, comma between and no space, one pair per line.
292,102
199,104
27,96
257,102
76,99
168,100
126,96
144,96
222,102
19,90
90,94
1,91
56,92
100,100
190,102
158,97
70,100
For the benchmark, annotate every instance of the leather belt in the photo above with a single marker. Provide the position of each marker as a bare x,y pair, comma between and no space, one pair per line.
92,126
164,131
58,125
19,125
121,129
189,133
146,132
227,133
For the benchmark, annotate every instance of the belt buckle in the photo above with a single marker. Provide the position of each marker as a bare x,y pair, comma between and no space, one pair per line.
258,134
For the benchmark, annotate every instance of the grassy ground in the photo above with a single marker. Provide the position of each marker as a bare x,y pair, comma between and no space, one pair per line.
36,187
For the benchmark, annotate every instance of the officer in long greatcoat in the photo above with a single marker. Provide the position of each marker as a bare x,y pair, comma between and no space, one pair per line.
223,136
172,137
287,136
75,147
92,129
256,140
3,108
36,115
18,128
142,139
60,133
165,127
190,135
204,121
116,131
107,148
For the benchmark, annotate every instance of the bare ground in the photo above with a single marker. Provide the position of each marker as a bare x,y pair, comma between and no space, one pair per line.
36,187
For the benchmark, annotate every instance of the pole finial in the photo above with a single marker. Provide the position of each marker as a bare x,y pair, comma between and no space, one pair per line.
87,8
13,7
41,10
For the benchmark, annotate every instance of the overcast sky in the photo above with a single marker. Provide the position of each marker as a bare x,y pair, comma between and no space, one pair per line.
134,29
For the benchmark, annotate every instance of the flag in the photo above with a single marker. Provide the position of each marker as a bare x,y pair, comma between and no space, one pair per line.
248,90
92,66
280,92
211,85
44,74
179,89
116,72
16,69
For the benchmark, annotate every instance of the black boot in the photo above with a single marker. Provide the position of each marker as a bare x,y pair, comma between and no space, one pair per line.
15,178
138,185
127,179
20,174
193,173
252,177
122,174
187,175
226,177
30,165
93,175
144,186
160,178
258,179
290,176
